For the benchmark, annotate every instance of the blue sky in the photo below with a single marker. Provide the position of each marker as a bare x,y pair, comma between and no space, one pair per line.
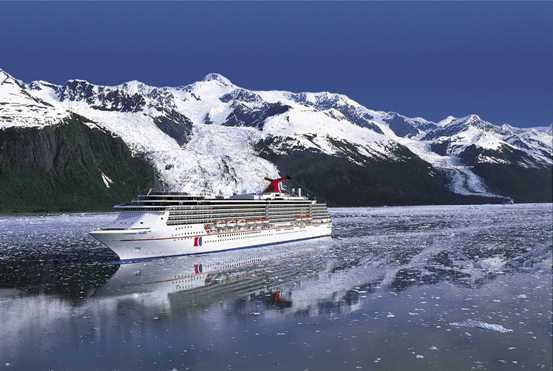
427,59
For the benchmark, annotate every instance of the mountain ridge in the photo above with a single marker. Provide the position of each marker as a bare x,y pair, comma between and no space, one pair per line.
214,137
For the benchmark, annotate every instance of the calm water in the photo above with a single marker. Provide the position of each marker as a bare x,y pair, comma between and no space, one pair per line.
407,288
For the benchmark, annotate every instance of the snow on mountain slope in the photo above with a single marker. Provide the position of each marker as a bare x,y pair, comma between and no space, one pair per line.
217,160
387,123
200,101
455,136
316,130
466,131
19,108
455,145
201,137
218,157
446,121
213,100
463,180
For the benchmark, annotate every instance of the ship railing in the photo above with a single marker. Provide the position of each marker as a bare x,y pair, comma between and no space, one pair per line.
236,212
204,201
180,207
127,207
182,211
215,216
272,218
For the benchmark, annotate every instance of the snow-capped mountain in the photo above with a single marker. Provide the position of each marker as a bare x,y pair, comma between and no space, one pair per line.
20,108
459,135
214,137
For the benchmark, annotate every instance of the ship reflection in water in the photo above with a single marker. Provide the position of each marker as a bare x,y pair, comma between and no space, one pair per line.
188,284
396,288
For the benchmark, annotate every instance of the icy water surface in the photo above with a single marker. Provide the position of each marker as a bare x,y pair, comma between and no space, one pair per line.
406,288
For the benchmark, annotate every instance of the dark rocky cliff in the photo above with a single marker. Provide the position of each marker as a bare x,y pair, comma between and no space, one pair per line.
66,167
366,182
517,175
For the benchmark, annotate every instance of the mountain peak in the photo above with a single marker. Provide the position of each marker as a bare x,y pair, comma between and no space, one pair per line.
218,77
446,121
133,86
473,117
78,81
468,120
5,76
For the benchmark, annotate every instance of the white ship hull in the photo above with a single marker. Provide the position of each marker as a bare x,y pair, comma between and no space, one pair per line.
170,224
130,244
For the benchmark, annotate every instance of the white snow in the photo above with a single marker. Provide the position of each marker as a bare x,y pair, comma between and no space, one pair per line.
482,325
223,159
19,108
201,100
472,130
302,124
218,160
107,180
462,179
446,121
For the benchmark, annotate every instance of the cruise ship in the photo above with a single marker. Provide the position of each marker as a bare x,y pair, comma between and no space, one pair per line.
170,223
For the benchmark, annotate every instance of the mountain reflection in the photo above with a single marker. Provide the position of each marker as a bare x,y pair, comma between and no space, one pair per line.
71,281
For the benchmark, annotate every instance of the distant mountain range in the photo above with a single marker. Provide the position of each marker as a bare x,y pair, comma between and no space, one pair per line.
81,146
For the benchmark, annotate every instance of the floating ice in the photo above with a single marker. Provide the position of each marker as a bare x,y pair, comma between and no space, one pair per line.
481,325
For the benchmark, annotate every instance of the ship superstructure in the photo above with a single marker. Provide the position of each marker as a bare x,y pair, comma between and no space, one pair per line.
169,223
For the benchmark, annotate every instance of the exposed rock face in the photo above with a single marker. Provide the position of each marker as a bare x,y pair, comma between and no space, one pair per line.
70,166
517,175
175,125
104,143
407,127
366,181
101,98
243,115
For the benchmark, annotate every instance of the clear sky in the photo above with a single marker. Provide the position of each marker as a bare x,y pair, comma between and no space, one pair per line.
429,59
